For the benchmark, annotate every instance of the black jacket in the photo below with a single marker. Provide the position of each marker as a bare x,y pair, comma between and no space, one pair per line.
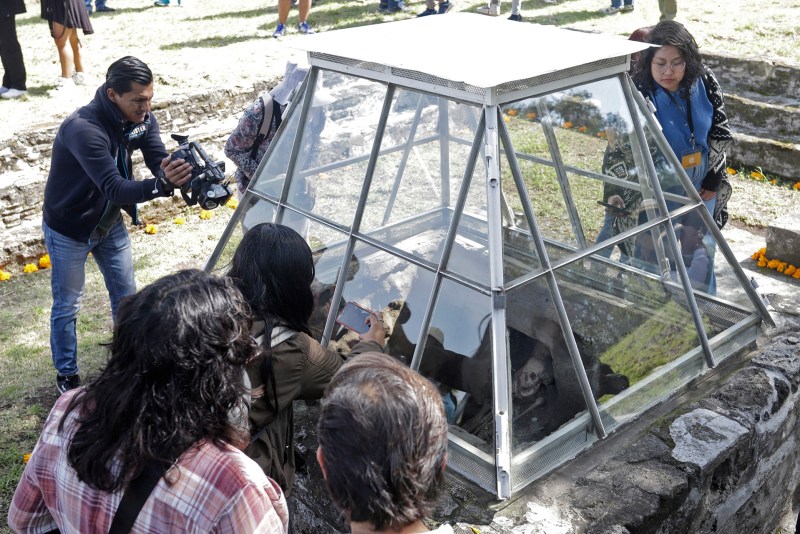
11,7
91,167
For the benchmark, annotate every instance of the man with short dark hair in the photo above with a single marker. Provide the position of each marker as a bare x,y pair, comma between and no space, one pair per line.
383,445
90,183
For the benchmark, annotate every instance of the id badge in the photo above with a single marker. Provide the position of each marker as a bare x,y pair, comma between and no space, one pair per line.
691,159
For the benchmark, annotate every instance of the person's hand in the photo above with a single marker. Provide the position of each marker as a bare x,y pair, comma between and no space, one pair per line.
177,172
705,194
376,331
618,203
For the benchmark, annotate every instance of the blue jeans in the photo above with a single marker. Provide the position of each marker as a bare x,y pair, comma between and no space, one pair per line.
98,4
618,3
607,232
112,253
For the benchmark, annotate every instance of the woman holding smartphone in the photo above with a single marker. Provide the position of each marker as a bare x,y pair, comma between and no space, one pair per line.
274,269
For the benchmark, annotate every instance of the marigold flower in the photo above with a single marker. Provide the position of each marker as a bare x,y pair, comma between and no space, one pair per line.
773,264
731,170
582,129
150,229
232,203
567,125
205,214
755,175
796,274
781,267
512,112
26,458
532,115
179,220
790,270
774,181
762,263
755,256
44,262
4,275
30,268
796,186
602,135
506,118
762,250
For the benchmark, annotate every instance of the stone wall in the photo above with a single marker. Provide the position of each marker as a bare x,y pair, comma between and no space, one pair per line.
722,458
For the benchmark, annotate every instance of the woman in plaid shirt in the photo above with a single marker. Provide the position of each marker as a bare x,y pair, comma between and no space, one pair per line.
165,398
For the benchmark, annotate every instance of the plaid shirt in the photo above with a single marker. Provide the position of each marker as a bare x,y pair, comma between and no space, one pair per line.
213,489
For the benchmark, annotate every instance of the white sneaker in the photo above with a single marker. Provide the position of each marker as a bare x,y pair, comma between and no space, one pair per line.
64,87
493,10
13,93
80,78
3,89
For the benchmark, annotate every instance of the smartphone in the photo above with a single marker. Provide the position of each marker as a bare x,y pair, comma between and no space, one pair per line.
615,208
353,317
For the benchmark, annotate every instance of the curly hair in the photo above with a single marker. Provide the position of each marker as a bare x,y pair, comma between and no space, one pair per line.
673,33
383,440
274,269
174,374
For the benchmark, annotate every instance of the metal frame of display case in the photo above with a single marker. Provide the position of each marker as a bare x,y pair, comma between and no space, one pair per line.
503,472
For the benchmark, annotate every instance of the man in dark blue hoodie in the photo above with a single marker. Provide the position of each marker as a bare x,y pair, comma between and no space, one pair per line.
89,184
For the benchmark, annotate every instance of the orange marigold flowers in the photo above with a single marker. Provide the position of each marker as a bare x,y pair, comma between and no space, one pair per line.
4,275
150,229
232,203
774,181
567,125
796,186
762,262
731,170
773,264
26,458
796,274
755,256
582,129
30,268
531,115
179,220
205,214
512,112
755,175
601,135
781,267
506,118
44,262
790,270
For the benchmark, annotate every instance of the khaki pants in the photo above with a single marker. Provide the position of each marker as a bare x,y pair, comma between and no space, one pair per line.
668,8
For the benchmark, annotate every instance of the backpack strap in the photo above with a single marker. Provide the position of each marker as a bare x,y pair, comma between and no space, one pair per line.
136,494
267,110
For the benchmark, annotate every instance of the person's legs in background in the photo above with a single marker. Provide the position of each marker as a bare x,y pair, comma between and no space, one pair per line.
303,7
668,8
11,55
283,15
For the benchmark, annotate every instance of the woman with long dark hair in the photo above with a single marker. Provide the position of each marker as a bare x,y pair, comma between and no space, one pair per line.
163,402
274,269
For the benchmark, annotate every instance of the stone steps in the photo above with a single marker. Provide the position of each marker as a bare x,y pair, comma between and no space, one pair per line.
763,105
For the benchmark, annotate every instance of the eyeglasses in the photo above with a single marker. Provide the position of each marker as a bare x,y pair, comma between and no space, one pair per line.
678,66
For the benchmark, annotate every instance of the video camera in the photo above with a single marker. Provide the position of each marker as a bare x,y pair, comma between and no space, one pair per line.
208,186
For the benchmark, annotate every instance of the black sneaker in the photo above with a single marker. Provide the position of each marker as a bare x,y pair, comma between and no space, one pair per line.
105,9
427,12
516,17
68,382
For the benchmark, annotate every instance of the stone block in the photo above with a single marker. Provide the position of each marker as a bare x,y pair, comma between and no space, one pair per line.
704,438
783,239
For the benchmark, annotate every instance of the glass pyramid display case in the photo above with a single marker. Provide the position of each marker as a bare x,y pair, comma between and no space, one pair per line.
514,212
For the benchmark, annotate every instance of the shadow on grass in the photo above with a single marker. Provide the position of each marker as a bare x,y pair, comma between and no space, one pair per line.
249,14
211,42
27,21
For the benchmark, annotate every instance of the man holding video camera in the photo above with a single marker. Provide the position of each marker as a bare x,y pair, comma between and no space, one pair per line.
90,183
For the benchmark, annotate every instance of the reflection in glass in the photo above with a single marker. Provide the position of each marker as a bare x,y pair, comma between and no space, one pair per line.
457,357
335,146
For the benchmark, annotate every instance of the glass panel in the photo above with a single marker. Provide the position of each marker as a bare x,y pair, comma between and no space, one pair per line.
406,187
547,202
636,322
457,357
525,129
335,146
469,256
385,283
271,178
546,392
